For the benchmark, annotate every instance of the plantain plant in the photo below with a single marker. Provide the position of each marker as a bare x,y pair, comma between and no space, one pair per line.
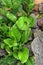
15,28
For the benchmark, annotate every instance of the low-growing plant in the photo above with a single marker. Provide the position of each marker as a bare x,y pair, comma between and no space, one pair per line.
7,60
15,27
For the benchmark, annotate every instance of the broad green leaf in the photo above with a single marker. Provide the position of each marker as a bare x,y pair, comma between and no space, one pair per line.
7,60
14,32
3,11
15,48
8,50
7,3
25,35
15,54
3,2
22,23
30,61
15,43
23,55
31,21
31,5
5,29
9,42
2,45
11,17
16,3
15,29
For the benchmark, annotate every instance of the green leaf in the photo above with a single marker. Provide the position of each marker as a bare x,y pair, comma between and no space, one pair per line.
2,45
3,11
11,17
7,60
22,23
1,18
15,48
19,63
15,54
31,5
31,21
25,35
15,43
15,29
7,3
30,61
5,28
23,55
14,32
9,42
16,3
8,50
3,2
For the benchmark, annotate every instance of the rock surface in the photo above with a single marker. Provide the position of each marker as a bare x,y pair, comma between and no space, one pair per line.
37,48
40,22
41,8
36,32
2,52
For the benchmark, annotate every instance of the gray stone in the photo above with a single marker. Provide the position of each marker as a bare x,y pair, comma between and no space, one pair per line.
36,32
37,48
41,8
2,52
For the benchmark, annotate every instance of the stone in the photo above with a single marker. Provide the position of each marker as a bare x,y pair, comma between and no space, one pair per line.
36,32
37,48
40,22
2,52
41,7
